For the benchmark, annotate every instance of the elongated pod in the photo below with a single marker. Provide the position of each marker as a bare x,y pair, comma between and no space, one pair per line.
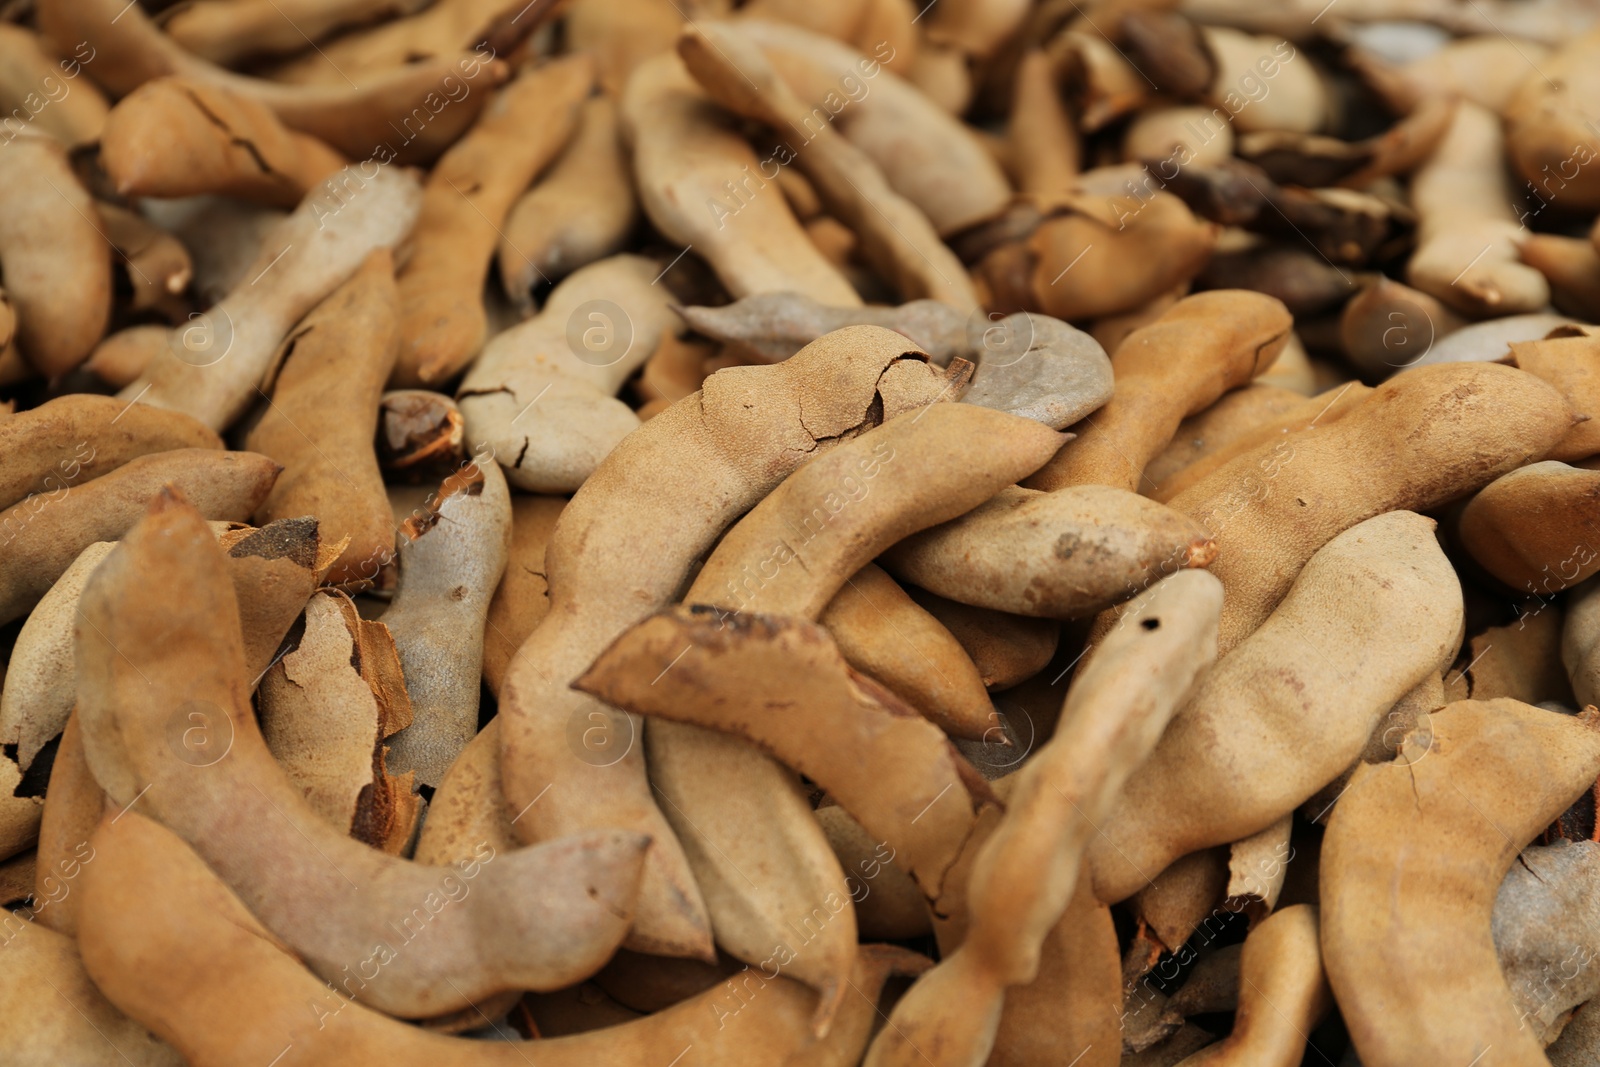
230,31
1535,529
1406,914
47,88
1548,132
522,598
1566,359
73,806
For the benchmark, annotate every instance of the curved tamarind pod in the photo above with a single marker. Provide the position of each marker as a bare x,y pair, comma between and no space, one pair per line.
542,398
1025,874
1317,709
896,237
1528,527
73,806
1056,555
1007,649
184,136
53,1013
1282,997
1042,143
1406,916
468,193
1235,415
214,368
130,50
1548,125
522,598
888,904
159,652
158,265
1545,924
1572,267
47,89
1464,211
1566,360
581,211
882,633
684,159
56,260
1389,325
441,29
227,32
323,415
78,437
45,533
682,479
1424,437
451,560
1226,337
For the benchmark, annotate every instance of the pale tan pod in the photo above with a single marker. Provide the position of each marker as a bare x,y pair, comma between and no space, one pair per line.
229,31
1007,649
622,35
1256,870
1406,914
48,89
940,72
888,904
1388,326
1548,133
1532,528
451,560
1486,69
213,366
1546,929
1251,724
1428,696
469,807
1181,133
1265,83
1572,267
1042,143
1566,359
522,598
55,255
1232,417
444,28
73,806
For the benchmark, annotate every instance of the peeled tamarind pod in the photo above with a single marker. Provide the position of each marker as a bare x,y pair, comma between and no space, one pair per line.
52,1012
885,635
362,122
1234,416
680,480
1566,360
1026,872
1413,857
1392,567
323,414
542,396
581,210
469,191
159,656
896,237
73,806
1527,528
1264,83
685,159
214,367
1225,337
1282,995
47,88
522,598
1546,930
78,437
56,261
189,916
45,532
1007,649
451,560
1548,133
1426,436
1388,326
182,137
1467,229
229,31
1057,555
888,904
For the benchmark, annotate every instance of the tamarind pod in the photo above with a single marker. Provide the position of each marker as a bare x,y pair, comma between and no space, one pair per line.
442,28
468,806
1298,99
839,19
274,571
158,266
681,479
1403,448
887,903
1521,660
19,816
928,155
1026,873
44,446
1228,337
1256,871
1054,555
224,237
451,560
51,1013
771,327
1544,926
1042,143
939,72
1006,649
1564,360
1388,325
896,237
522,598
1464,211
1547,126
158,635
73,805
468,193
890,23
1175,132
1486,69
56,259
1407,712
1490,777
178,136
212,369
882,633
1040,368
226,32
419,429
1314,411
1572,267
622,35
1321,707
1112,330
542,397
45,533
1580,643
31,77
1108,85
1527,527
683,162
354,121
323,414
1234,416
1282,996
581,211
142,867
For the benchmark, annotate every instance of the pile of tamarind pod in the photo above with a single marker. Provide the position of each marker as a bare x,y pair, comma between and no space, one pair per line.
799,533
